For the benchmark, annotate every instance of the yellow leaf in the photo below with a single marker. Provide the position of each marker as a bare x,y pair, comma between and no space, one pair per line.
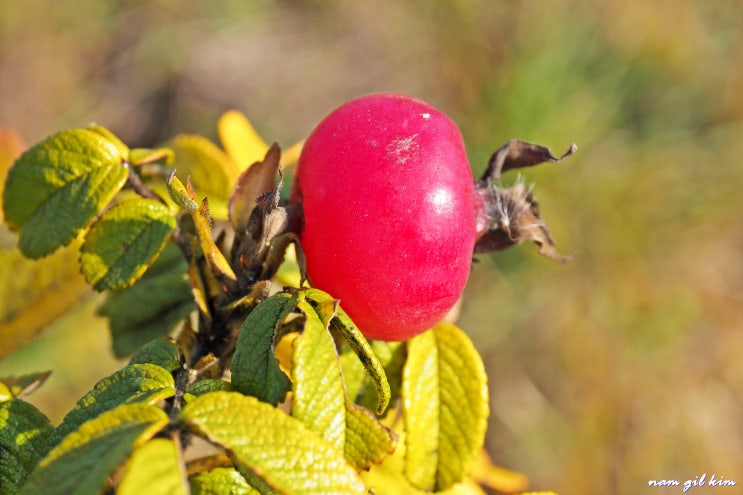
265,442
212,171
155,469
497,478
445,407
290,156
33,293
319,397
11,147
240,139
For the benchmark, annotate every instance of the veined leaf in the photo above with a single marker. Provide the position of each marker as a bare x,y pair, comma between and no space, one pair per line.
136,383
240,139
160,352
23,433
342,323
57,187
154,469
81,464
203,387
255,369
265,441
367,440
220,481
319,399
124,242
154,305
445,407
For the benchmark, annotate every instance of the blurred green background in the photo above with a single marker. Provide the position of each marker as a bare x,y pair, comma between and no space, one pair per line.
623,366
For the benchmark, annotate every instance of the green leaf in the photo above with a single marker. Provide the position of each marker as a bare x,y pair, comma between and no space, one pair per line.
82,463
154,469
343,324
319,399
136,383
445,407
220,481
209,385
56,188
23,433
18,386
161,352
124,242
267,442
255,369
154,305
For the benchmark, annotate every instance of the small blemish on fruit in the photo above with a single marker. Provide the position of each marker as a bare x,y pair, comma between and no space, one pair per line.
426,116
404,149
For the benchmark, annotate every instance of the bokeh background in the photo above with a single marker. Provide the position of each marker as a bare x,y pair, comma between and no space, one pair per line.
623,366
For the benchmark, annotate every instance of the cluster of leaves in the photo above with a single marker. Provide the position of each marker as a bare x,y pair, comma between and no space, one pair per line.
258,387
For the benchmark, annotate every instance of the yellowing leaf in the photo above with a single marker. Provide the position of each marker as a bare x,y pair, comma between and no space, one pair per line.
367,440
82,463
445,407
220,481
135,383
290,156
124,242
343,324
319,399
23,433
142,156
212,171
240,139
11,147
266,442
56,188
154,469
53,283
255,369
497,478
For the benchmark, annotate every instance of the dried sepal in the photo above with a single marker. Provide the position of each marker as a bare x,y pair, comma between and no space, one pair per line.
512,215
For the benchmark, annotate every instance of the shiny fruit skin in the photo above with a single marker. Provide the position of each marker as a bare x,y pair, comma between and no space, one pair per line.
388,203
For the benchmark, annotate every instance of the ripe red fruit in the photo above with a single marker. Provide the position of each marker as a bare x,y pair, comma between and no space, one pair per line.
389,213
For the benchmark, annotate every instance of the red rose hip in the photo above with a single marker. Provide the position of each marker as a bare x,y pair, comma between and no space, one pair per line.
389,213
